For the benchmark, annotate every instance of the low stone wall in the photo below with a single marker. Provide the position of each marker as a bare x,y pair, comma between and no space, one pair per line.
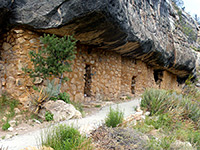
96,75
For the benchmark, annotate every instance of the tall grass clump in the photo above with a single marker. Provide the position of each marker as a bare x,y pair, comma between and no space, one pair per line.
64,137
175,115
155,101
191,110
3,148
161,101
7,103
7,106
114,117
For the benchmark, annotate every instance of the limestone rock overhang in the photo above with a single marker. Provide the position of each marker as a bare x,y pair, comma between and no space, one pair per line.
137,29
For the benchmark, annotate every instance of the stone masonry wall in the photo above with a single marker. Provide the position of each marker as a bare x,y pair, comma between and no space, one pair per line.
108,74
142,73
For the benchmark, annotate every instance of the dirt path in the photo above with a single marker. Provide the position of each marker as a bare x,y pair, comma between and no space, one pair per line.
85,125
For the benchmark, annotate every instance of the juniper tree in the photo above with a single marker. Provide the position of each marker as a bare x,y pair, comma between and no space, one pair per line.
53,59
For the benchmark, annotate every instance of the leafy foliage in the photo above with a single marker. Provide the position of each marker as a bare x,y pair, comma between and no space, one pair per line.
114,117
48,116
65,137
65,97
5,126
62,96
53,59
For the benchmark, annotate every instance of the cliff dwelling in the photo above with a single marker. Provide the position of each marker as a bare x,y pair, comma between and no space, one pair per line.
118,54
97,74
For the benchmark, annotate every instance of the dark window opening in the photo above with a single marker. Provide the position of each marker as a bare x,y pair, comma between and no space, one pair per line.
133,82
181,80
88,81
89,51
158,75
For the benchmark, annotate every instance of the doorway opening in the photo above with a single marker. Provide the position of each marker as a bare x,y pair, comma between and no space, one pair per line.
158,76
133,82
88,81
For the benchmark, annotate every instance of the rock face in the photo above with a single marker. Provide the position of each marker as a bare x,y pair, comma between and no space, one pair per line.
146,30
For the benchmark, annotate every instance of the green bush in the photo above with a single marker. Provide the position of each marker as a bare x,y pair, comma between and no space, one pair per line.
48,116
52,59
5,126
163,120
163,143
114,117
62,96
65,137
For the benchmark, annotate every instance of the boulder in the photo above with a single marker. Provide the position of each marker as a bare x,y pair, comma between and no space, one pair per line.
60,110
181,145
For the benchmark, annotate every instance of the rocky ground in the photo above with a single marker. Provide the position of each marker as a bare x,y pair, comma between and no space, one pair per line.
118,139
29,135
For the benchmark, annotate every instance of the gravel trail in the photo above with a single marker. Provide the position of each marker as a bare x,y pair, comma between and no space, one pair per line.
85,124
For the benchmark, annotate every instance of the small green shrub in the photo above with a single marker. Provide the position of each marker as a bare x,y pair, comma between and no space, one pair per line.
97,106
5,126
62,96
128,97
65,97
194,138
65,137
48,116
163,120
143,127
114,117
163,143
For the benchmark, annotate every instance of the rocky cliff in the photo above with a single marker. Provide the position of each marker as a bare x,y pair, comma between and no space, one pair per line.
154,31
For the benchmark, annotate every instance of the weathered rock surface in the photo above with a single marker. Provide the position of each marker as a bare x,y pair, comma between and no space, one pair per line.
181,145
60,110
145,30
